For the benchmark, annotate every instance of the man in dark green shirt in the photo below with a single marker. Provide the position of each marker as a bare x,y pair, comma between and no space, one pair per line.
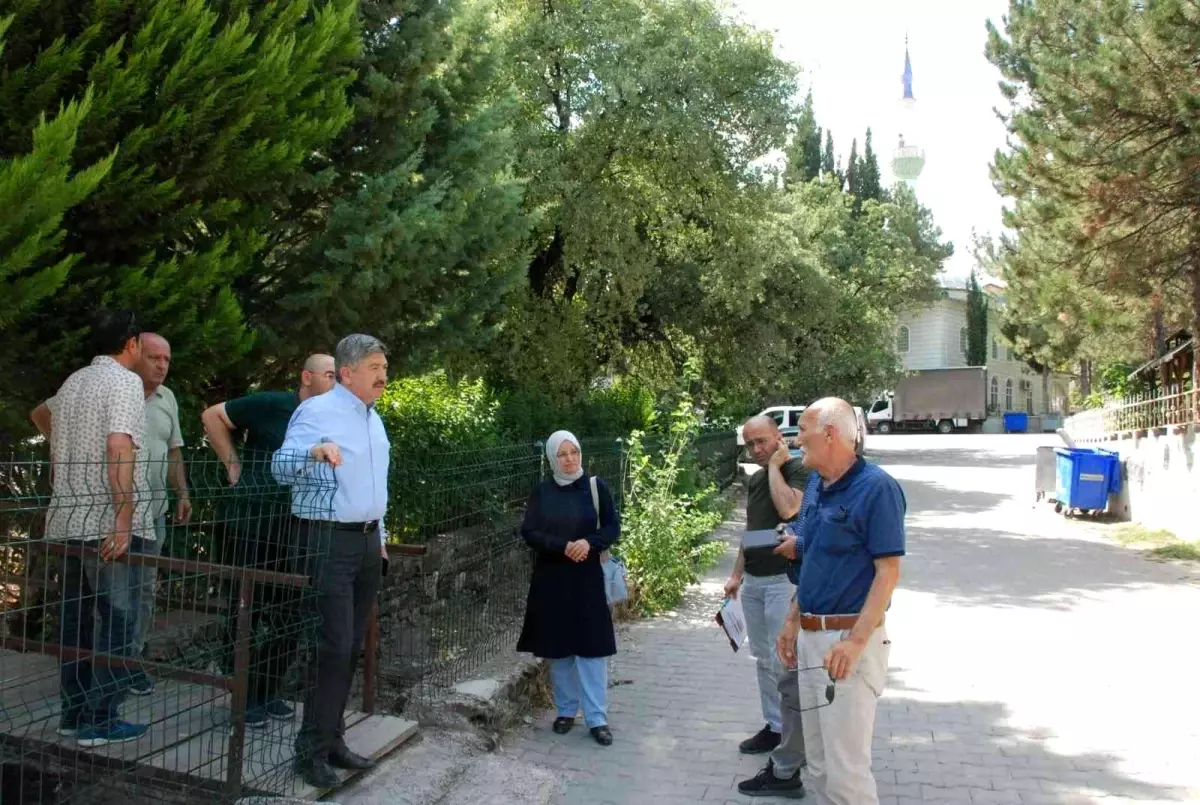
257,524
760,580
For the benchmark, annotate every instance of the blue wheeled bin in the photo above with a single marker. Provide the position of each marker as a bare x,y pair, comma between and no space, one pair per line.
1016,422
1086,477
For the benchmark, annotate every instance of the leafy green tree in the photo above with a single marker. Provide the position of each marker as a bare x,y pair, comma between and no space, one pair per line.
642,123
828,160
209,112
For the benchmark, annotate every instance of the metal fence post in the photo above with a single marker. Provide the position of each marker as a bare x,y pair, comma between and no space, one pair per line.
371,660
241,688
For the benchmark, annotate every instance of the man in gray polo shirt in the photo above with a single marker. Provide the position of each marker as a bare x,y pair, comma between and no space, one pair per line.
164,467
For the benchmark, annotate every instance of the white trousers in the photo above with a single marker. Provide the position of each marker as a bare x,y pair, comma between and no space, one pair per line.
837,738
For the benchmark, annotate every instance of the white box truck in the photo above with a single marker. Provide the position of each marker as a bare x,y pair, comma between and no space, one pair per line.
933,399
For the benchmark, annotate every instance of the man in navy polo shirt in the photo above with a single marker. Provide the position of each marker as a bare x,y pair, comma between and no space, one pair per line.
853,541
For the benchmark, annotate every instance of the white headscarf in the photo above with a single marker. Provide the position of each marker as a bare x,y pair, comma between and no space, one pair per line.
552,444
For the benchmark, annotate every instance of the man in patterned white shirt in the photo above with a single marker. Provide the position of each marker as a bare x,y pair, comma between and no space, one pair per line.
99,501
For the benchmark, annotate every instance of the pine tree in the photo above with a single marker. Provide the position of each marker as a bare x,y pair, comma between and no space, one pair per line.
212,109
977,323
1104,138
424,225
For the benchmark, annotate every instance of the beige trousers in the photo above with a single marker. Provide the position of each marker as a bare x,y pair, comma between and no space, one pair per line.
837,738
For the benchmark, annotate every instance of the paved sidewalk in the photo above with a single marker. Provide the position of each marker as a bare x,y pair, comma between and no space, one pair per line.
1032,663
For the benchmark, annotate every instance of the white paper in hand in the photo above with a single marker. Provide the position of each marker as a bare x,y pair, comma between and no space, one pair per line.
733,620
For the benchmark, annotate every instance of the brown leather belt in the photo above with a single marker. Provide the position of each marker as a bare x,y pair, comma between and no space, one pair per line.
828,623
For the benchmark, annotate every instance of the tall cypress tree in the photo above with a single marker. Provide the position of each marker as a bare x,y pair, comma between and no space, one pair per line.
804,150
213,108
37,189
977,323
869,183
828,160
854,176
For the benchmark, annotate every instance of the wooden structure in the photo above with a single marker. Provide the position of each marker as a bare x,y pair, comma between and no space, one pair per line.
1170,372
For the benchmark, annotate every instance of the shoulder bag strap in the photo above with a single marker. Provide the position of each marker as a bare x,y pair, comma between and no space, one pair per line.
595,500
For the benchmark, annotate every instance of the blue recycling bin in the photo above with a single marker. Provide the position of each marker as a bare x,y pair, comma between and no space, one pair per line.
1086,477
1016,422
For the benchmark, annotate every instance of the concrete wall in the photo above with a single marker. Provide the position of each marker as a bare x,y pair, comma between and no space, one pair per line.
1161,479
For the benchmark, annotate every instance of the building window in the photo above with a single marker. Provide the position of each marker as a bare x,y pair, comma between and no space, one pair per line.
1008,354
902,339
1029,399
1008,394
962,341
995,350
995,390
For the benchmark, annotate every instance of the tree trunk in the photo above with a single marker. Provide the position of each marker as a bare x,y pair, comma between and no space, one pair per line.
1195,275
1085,378
1160,341
1046,390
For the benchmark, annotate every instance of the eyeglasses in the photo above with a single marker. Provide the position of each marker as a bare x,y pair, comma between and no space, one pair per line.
830,690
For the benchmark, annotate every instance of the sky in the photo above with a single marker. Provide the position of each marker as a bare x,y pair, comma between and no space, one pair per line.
851,53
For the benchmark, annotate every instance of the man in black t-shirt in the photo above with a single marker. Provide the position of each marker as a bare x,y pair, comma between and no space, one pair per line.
760,578
258,528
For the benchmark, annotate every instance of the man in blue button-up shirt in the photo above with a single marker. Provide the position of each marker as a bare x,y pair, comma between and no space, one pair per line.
335,458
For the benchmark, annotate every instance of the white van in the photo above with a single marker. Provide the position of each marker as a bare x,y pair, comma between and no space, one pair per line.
788,419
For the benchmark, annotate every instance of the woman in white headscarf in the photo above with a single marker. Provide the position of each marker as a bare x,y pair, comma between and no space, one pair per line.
567,617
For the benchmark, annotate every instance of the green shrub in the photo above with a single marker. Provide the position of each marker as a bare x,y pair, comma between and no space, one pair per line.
439,430
431,413
529,414
664,530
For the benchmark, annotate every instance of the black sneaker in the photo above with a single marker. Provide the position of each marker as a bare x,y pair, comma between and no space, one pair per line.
141,685
765,741
280,710
766,784
256,717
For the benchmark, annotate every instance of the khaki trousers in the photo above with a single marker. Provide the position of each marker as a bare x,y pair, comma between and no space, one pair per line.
837,738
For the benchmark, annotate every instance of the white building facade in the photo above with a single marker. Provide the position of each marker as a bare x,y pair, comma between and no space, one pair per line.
935,337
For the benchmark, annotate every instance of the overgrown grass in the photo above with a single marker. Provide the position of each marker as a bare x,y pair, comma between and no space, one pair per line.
1159,543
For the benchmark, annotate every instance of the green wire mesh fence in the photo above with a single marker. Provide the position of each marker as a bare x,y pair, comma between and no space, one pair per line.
172,669
462,601
229,619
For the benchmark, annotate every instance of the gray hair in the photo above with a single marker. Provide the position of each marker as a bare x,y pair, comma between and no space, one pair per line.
838,414
353,348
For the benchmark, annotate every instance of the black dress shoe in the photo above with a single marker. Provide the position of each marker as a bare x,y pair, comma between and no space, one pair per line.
345,759
603,735
317,773
563,725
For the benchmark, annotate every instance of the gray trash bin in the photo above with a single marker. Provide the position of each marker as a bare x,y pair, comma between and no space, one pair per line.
1047,476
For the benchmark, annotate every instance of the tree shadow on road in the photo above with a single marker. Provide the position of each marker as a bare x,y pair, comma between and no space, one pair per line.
986,567
923,749
951,457
927,499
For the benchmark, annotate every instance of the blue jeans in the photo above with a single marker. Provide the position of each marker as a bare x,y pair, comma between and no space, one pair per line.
93,692
569,677
766,600
145,583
